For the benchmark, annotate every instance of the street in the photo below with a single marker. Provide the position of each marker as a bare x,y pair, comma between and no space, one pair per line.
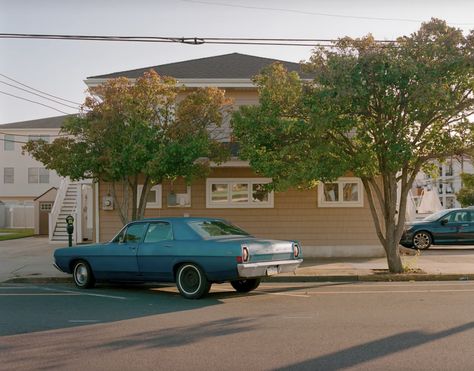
302,326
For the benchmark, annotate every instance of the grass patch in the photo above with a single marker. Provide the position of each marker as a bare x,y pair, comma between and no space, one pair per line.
14,233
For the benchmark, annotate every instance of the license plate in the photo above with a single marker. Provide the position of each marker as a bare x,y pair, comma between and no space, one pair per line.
272,270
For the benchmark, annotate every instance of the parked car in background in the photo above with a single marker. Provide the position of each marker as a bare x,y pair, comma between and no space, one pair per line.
446,227
193,252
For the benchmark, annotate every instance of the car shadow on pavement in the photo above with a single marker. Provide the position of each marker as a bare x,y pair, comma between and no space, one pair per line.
356,355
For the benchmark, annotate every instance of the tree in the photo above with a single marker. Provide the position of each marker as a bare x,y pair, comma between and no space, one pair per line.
466,194
377,110
138,132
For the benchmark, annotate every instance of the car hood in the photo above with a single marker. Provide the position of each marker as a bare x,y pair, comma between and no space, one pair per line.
417,223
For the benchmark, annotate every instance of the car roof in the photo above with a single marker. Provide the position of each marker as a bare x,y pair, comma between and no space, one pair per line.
177,219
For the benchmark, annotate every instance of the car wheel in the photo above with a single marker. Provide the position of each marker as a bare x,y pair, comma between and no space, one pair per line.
82,274
422,240
191,281
245,285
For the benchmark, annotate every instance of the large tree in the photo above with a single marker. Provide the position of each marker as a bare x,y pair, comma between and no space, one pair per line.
377,110
135,133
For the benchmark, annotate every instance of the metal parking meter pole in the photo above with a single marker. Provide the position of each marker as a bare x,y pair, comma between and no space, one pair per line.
70,228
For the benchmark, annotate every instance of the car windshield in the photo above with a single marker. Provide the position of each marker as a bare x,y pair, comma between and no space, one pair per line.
436,216
215,229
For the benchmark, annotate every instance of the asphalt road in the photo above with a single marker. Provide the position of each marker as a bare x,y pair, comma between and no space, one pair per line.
300,326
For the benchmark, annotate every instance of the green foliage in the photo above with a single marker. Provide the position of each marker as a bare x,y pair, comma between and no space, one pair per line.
378,111
131,129
466,194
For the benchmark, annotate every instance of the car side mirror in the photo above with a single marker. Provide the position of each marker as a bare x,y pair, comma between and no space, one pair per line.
444,221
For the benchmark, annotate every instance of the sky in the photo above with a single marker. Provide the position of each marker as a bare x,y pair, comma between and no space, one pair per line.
60,67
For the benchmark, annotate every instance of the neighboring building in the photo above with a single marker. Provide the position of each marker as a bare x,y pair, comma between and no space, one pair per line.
447,181
331,220
22,178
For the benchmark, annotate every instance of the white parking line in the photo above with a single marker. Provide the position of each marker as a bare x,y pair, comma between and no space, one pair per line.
85,293
387,291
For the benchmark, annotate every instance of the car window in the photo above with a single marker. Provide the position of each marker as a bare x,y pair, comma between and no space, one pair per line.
158,231
216,228
459,216
134,233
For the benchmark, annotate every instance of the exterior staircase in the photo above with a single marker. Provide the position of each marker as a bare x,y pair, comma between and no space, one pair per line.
66,203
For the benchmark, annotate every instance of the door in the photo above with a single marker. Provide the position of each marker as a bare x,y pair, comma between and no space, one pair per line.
117,260
157,252
44,210
455,227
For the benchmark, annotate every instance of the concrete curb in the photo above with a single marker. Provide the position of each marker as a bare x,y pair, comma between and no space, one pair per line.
386,277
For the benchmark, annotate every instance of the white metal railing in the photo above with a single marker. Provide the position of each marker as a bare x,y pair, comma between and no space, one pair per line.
58,202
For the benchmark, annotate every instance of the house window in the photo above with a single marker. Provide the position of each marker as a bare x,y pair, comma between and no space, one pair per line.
46,206
153,200
39,137
345,192
8,175
9,142
38,175
235,193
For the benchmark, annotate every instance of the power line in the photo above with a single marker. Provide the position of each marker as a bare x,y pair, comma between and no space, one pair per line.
39,91
32,101
29,135
325,43
39,95
12,141
296,11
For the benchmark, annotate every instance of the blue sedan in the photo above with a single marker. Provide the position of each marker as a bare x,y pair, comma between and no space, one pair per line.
193,252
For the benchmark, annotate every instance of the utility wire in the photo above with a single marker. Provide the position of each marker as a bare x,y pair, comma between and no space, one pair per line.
39,95
28,135
37,90
32,101
296,11
327,43
12,141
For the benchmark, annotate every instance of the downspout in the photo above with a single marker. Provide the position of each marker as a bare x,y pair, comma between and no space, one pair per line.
97,224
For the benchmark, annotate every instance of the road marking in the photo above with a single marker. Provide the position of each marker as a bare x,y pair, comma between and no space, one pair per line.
43,294
387,291
86,293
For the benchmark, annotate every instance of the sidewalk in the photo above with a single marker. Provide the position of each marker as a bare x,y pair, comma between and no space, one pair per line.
30,260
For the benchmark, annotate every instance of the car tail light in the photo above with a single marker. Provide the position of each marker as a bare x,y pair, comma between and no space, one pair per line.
245,254
296,250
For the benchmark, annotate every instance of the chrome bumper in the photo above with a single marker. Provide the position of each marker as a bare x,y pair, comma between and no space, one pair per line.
263,269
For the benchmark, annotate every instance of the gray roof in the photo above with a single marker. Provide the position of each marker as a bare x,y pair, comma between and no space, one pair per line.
227,66
55,122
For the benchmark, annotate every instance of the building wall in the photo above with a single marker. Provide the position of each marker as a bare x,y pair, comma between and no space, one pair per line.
447,180
322,231
21,189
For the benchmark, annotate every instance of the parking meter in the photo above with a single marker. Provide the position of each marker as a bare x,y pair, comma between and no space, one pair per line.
70,228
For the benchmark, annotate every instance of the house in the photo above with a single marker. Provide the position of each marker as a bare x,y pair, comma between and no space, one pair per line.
447,180
28,190
22,177
332,220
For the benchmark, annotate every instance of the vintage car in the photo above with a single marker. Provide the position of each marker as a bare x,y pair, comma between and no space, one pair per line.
193,252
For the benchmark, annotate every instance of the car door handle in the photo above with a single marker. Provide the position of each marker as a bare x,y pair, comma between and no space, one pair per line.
168,245
464,225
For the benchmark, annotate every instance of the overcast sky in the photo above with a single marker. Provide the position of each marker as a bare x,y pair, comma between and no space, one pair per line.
59,67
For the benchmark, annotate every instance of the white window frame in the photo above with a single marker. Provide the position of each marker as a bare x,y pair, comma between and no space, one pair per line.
250,204
151,205
9,142
341,203
9,176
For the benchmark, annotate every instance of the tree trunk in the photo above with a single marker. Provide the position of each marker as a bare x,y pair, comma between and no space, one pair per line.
394,260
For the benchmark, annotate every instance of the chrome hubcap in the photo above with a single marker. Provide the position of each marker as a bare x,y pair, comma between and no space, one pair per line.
81,274
190,280
421,241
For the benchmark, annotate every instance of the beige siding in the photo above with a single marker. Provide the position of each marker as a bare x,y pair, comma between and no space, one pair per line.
295,215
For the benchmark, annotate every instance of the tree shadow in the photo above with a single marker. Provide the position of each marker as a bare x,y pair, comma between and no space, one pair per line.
375,349
183,335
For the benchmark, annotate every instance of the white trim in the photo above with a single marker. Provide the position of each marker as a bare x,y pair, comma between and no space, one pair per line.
151,205
238,205
341,203
97,224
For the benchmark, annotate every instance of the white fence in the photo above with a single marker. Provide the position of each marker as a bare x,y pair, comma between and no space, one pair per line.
17,216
